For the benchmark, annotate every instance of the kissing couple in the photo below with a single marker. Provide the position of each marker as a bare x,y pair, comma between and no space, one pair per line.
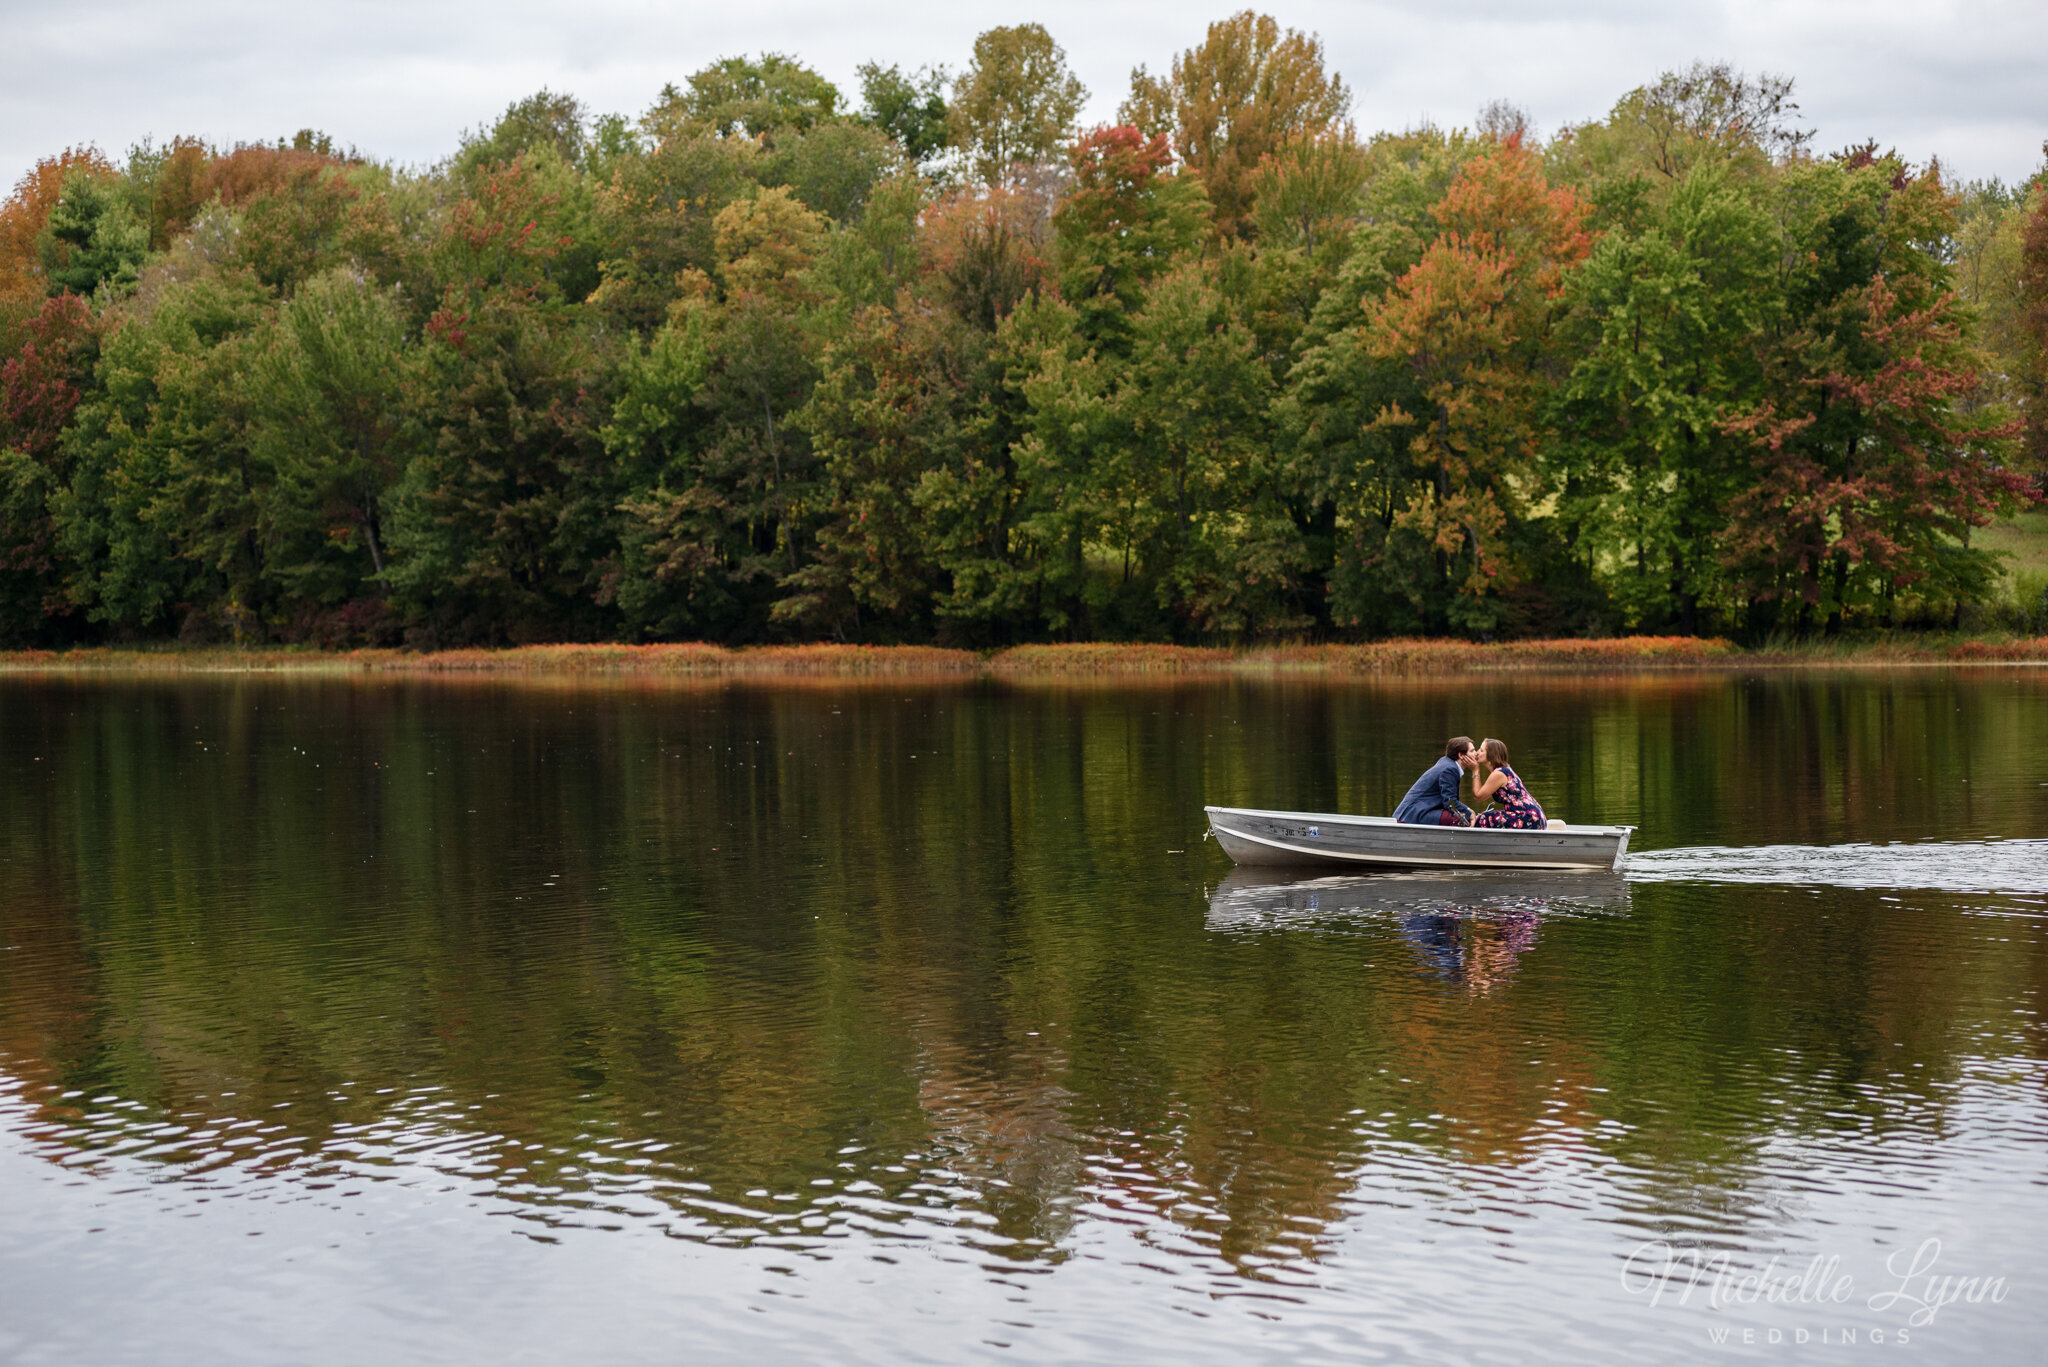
1433,801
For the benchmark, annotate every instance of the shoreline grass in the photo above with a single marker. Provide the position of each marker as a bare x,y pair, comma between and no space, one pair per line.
1046,663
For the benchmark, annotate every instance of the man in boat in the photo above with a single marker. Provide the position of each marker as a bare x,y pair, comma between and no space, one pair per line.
1433,801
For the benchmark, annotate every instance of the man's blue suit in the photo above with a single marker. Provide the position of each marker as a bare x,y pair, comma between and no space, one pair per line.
1435,793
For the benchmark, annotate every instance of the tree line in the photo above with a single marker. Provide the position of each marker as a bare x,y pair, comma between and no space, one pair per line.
761,364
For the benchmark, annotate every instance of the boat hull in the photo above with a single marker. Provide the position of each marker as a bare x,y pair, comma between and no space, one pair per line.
1322,839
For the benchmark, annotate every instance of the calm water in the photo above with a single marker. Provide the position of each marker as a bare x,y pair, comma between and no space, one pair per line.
473,1023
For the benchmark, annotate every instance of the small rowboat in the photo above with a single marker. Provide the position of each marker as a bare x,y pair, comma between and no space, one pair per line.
1322,838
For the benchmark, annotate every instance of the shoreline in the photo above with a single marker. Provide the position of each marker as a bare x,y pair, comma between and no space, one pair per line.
1041,663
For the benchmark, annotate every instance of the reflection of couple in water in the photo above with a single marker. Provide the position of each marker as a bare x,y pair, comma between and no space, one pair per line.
1433,801
1479,952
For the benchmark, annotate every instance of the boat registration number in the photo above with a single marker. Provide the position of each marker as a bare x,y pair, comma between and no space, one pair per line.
1298,832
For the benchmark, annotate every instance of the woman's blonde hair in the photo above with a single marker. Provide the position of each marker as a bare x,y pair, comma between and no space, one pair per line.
1496,752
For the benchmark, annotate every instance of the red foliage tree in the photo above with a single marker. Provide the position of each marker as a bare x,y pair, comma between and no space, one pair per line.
1902,475
39,384
1125,220
2034,319
39,388
248,173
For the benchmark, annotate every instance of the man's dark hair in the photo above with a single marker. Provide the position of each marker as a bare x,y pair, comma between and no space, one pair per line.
1456,746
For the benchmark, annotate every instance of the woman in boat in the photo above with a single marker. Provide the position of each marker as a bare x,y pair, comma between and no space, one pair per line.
1517,811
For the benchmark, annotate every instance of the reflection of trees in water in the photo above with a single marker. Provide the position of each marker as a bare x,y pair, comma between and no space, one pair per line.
333,896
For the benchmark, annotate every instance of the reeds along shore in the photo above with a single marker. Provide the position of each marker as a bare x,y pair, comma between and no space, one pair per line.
1048,662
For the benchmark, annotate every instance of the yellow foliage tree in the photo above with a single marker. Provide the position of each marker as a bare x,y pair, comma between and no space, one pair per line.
767,244
1249,90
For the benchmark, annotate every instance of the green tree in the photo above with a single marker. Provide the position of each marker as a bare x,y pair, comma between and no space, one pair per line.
879,254
720,474
1663,327
1653,137
92,238
1034,543
1309,197
685,558
910,108
1125,223
656,218
762,98
502,525
1346,477
883,415
1016,102
545,118
724,474
834,166
328,425
1308,193
159,521
1991,223
1194,495
991,325
614,140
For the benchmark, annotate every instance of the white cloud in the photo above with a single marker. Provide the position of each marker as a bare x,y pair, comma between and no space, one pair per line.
402,78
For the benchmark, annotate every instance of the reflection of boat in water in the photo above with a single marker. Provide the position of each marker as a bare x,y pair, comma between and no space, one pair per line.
1255,898
1296,839
1470,927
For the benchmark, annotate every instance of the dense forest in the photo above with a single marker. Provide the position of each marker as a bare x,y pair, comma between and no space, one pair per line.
760,364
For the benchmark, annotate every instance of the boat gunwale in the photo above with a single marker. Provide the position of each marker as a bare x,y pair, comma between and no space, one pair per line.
1568,828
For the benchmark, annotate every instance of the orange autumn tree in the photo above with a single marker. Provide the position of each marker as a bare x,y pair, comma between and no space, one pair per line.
982,251
180,191
1466,331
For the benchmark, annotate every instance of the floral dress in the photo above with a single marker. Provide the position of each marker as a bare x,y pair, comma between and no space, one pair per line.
1517,810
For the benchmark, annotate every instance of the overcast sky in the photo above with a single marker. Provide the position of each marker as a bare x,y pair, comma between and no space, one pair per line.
1966,80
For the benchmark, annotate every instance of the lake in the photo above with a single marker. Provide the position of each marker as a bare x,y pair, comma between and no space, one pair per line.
456,1022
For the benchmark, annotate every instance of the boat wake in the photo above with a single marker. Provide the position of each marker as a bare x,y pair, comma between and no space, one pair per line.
2011,870
2001,867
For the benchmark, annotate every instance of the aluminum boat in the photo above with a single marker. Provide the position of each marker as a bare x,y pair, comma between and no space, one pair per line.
1327,839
